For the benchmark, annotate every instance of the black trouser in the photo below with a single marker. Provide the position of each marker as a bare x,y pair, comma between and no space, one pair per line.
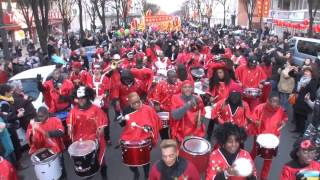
16,143
210,128
107,129
146,169
164,133
300,121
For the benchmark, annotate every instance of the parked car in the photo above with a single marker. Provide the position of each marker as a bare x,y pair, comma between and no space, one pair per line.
28,79
303,48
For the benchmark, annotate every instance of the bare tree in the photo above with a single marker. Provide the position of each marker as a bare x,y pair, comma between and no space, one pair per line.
4,36
100,6
65,8
25,8
209,6
79,3
249,6
313,6
40,9
92,14
223,3
150,6
115,4
125,6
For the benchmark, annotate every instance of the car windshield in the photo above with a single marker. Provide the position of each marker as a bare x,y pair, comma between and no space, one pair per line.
30,87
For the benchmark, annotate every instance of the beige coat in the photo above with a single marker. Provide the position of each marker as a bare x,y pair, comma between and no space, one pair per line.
286,83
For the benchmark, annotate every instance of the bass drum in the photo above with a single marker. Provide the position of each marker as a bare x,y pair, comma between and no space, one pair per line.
85,157
197,150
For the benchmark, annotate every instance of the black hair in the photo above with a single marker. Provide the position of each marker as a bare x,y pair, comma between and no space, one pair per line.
214,80
273,94
182,72
228,129
43,110
4,88
296,147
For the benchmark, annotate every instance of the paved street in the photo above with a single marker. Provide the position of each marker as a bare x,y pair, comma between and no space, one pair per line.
117,171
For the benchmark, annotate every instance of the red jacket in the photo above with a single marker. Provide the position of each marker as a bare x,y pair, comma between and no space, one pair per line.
289,173
144,116
187,125
250,78
38,140
270,119
85,123
52,95
7,171
164,92
218,163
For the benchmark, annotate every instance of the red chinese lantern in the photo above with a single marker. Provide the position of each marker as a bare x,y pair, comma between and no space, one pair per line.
306,21
275,21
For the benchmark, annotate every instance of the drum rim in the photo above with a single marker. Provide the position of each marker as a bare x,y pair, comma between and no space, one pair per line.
146,142
84,154
46,161
196,153
269,135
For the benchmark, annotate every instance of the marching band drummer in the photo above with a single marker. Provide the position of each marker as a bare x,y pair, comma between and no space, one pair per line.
222,163
46,132
87,122
77,76
302,154
162,95
232,109
143,116
187,111
269,117
172,166
251,76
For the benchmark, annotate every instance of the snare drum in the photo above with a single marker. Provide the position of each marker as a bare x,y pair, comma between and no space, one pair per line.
47,165
197,150
252,92
267,145
164,117
85,157
136,153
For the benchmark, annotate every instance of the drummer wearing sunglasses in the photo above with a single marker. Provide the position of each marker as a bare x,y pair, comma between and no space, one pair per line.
303,164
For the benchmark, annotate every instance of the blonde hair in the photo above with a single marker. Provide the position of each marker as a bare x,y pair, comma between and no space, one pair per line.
167,143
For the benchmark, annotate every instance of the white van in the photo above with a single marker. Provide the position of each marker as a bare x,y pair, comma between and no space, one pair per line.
303,48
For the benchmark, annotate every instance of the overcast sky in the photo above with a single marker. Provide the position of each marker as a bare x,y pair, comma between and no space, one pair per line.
169,6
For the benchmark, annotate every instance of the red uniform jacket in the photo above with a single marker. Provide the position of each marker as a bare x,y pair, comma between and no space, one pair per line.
152,53
82,77
270,119
222,112
250,78
190,173
187,125
38,140
128,64
3,77
164,92
144,116
141,85
101,86
289,173
85,123
7,171
221,92
52,95
218,163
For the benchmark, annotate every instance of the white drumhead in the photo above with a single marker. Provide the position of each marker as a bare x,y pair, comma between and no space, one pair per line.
243,167
196,145
163,115
268,140
81,148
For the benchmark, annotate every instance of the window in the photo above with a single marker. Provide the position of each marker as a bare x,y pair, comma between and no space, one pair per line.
30,87
309,48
